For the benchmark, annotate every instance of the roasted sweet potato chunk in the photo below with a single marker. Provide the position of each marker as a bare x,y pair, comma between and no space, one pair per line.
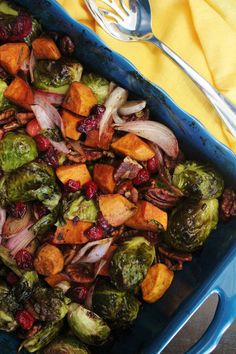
92,139
20,93
49,260
131,145
158,279
72,234
116,209
55,279
147,217
103,175
77,172
12,56
45,48
79,99
70,122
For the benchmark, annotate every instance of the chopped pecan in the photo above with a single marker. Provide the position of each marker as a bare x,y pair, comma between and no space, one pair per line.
129,191
11,126
25,117
7,116
128,169
81,272
228,204
172,259
89,155
161,197
69,254
142,115
170,163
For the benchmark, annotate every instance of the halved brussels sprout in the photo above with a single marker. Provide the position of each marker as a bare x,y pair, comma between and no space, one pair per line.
56,76
16,150
198,181
23,289
130,263
87,326
7,321
98,85
119,308
8,261
4,103
66,345
77,205
191,223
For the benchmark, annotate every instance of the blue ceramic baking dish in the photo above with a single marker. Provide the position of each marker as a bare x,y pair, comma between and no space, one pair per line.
214,269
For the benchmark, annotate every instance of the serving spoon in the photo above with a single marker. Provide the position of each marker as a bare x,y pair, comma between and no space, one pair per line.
132,22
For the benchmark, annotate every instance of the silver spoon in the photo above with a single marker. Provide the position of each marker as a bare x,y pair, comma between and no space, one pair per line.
133,23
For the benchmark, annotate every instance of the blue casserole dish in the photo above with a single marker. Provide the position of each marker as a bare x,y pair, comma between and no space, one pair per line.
214,269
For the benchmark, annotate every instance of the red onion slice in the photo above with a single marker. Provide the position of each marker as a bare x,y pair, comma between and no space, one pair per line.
20,240
2,221
32,64
60,146
25,66
116,99
42,117
55,99
98,250
131,107
89,298
155,132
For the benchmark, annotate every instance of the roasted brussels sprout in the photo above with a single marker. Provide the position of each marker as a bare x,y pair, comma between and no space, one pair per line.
24,288
118,308
7,321
4,289
191,223
66,345
130,263
50,304
42,338
16,150
9,262
87,326
77,205
4,103
34,181
45,223
8,9
56,76
98,85
198,181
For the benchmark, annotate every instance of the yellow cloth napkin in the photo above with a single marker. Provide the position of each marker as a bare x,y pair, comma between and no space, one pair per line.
202,32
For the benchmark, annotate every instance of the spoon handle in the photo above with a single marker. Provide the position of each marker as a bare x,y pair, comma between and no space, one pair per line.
223,106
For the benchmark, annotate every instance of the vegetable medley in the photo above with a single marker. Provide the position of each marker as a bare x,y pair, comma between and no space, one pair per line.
99,206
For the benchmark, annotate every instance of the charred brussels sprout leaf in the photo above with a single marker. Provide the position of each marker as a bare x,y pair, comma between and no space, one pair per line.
4,103
7,321
130,263
77,205
56,76
98,85
24,288
9,262
66,345
4,290
198,181
34,181
191,223
45,223
50,304
8,9
35,33
43,337
87,326
16,150
118,308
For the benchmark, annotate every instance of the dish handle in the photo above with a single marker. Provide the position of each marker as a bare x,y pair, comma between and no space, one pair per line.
225,314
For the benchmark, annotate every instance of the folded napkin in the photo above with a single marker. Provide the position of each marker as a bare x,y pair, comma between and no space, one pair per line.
203,33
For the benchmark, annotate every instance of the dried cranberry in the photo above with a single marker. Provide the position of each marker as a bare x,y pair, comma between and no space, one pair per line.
39,210
25,319
51,158
152,165
103,222
94,233
18,210
67,47
21,28
72,186
92,122
11,278
77,293
142,177
24,259
90,189
43,144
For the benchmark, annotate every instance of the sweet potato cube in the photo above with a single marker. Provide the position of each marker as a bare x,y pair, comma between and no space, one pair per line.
147,217
70,122
55,279
71,233
92,139
158,279
20,93
12,56
103,175
77,172
79,99
131,145
45,48
116,209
